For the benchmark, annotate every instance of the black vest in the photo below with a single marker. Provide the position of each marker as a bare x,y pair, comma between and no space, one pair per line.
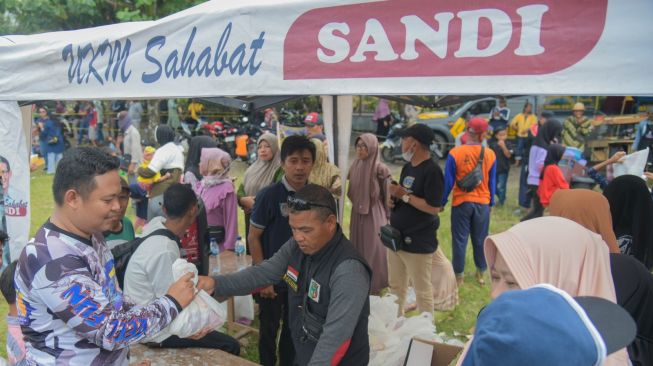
308,279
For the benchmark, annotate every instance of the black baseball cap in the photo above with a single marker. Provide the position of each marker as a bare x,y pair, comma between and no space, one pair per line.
420,132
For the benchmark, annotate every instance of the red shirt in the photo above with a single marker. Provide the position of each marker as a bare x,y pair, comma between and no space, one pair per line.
552,181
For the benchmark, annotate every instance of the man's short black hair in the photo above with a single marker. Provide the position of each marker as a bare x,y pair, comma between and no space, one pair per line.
7,283
77,170
6,162
295,143
178,199
324,203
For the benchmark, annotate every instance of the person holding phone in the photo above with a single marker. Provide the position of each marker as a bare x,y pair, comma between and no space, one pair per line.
415,203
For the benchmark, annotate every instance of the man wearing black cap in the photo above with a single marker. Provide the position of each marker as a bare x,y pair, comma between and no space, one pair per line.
415,206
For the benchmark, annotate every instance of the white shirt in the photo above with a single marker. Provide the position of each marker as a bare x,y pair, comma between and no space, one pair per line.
132,144
135,111
168,156
149,272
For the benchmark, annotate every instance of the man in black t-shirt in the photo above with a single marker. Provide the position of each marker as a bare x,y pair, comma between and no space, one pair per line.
269,231
415,203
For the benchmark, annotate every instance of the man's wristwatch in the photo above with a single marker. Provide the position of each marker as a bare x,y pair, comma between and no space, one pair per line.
406,198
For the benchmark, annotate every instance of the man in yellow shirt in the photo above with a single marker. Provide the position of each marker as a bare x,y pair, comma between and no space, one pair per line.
195,109
522,123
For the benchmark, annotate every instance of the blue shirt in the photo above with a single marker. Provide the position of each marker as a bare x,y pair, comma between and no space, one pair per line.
270,214
50,131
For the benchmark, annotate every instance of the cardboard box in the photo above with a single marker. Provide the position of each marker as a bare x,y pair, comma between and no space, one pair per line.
424,353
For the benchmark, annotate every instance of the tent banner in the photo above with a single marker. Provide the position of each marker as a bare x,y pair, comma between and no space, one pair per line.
14,175
344,47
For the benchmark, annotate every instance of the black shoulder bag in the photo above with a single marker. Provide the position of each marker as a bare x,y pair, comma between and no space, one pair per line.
474,178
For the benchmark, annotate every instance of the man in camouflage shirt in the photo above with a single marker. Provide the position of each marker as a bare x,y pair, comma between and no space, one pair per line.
70,307
576,128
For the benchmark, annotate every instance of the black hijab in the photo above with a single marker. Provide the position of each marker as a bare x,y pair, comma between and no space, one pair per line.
548,132
195,147
632,214
633,285
553,156
164,134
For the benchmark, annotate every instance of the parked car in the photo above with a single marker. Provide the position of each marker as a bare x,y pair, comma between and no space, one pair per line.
482,107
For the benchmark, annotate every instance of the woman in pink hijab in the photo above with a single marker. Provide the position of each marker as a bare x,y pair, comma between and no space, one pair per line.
368,192
217,192
556,251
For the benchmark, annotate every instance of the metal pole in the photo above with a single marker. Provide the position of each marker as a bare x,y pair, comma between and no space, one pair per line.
335,130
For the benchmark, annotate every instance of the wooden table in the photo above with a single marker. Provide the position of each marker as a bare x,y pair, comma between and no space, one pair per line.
184,356
229,264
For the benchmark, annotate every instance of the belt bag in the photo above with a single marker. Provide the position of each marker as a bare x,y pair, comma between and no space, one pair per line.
474,178
391,238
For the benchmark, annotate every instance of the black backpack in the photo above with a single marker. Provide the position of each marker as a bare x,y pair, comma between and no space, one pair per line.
122,253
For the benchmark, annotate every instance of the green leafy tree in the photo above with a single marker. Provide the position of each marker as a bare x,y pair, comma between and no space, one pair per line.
36,16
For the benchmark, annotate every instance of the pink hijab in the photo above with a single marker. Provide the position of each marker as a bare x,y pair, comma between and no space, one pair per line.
559,252
362,188
213,160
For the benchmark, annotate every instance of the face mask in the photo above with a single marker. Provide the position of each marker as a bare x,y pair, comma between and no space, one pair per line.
408,155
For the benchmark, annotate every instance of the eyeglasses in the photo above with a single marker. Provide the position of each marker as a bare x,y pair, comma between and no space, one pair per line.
361,146
299,204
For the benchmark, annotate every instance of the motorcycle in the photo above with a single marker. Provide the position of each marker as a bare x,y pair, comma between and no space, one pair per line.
391,147
246,143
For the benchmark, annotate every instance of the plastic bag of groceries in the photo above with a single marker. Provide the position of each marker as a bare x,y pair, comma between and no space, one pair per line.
203,312
390,335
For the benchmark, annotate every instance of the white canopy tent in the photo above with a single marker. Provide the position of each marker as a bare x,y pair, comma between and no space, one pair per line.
339,47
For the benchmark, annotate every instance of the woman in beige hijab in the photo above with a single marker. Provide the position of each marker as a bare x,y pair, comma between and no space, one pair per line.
556,251
324,173
265,171
368,192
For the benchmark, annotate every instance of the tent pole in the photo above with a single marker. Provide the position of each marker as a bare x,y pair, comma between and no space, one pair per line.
335,130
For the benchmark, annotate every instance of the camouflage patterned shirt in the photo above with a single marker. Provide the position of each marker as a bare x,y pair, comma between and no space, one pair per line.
70,307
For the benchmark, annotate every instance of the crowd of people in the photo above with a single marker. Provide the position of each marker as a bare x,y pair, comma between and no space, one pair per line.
312,283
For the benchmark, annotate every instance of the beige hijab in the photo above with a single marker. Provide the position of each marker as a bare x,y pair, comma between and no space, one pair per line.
363,189
324,173
559,252
588,208
261,174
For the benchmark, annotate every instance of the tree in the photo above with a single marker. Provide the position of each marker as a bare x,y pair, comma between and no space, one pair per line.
152,9
36,16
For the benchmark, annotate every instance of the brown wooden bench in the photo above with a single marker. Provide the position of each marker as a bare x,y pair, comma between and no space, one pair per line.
185,356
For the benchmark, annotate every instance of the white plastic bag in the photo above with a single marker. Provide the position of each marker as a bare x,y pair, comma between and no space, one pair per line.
632,164
203,312
390,335
244,309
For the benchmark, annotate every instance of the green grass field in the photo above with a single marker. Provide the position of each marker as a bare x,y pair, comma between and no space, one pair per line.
454,323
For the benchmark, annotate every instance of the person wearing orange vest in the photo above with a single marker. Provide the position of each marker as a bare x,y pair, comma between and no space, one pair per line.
471,207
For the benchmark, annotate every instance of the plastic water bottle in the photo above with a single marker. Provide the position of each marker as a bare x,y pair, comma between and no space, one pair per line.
241,257
215,251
